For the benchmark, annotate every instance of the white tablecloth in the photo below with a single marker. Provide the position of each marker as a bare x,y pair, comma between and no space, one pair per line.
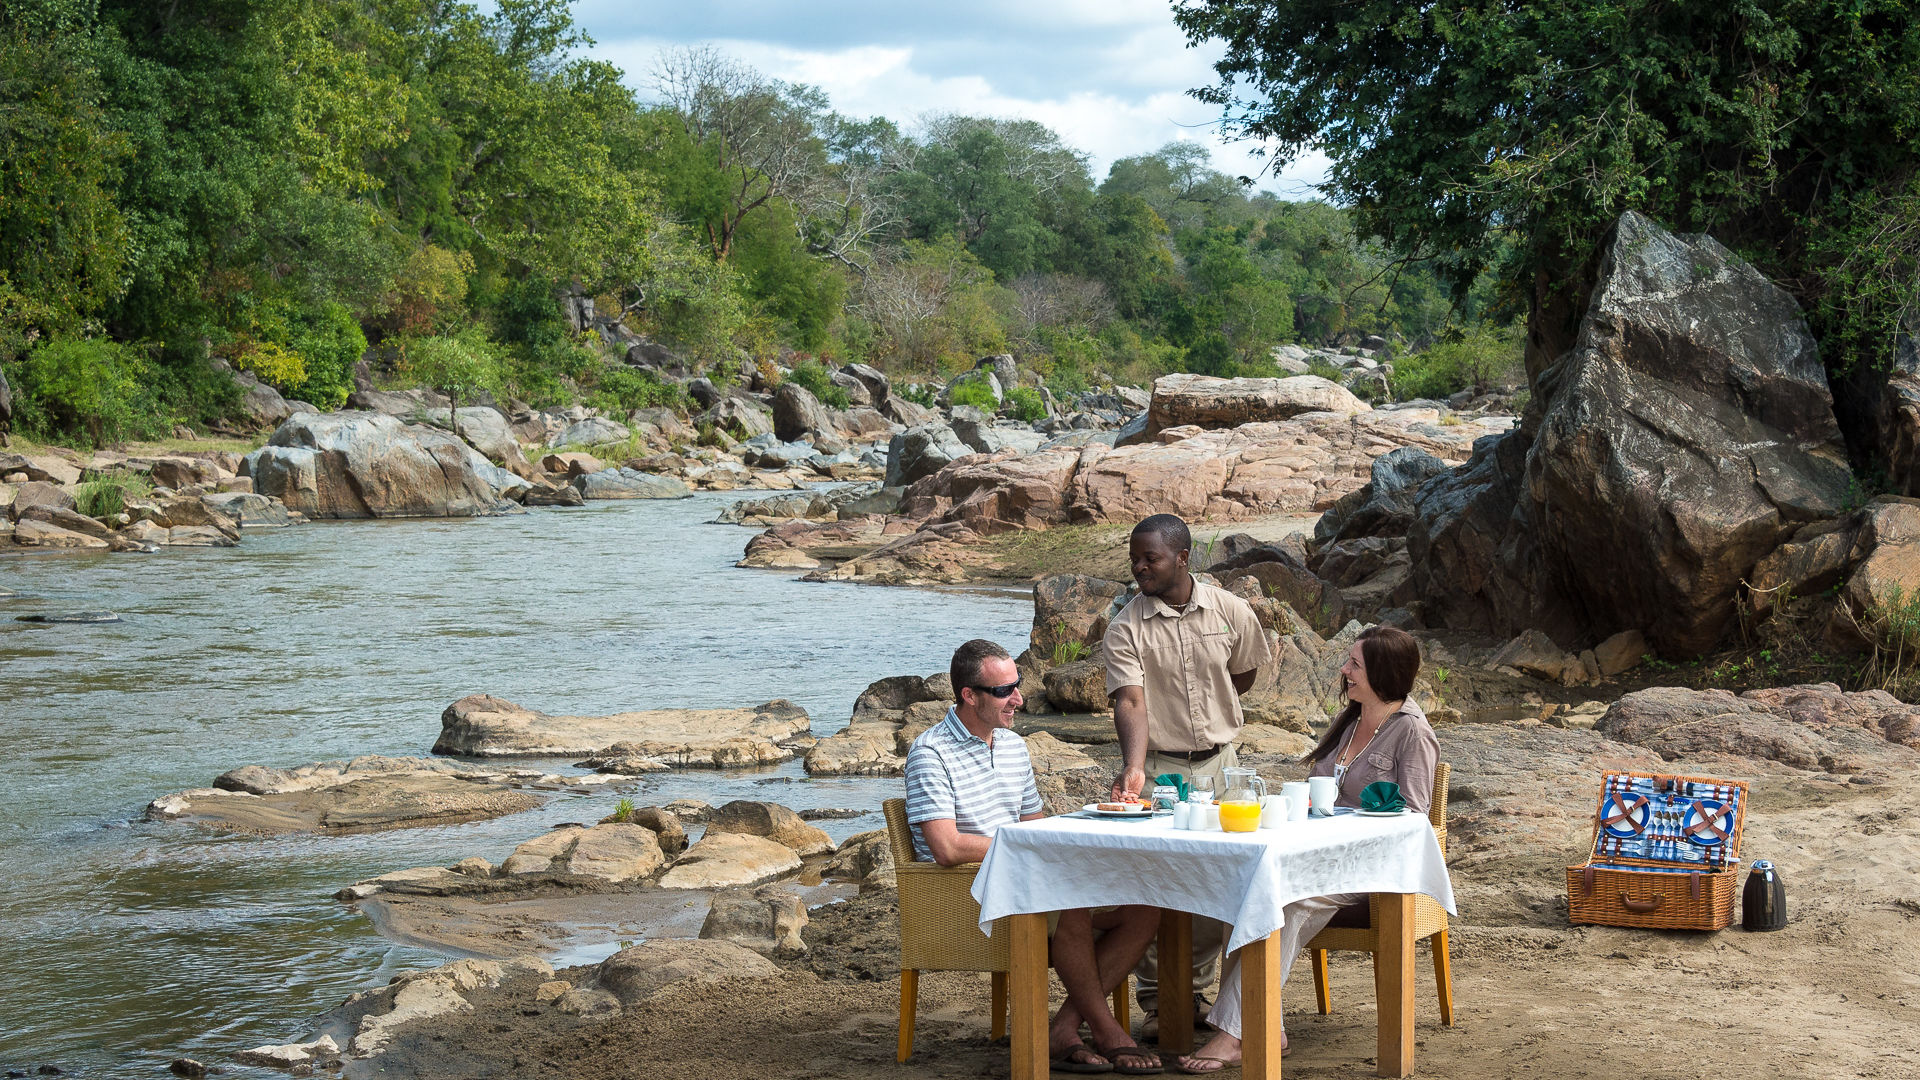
1245,879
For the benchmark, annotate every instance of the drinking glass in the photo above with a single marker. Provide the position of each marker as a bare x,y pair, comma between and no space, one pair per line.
1200,789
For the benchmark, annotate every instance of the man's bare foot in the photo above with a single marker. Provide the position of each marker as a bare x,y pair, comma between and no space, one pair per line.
1219,1052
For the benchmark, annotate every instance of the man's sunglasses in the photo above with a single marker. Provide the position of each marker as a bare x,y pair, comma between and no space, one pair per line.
1003,691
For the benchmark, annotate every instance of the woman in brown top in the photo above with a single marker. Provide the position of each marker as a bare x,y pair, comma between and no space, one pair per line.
1380,735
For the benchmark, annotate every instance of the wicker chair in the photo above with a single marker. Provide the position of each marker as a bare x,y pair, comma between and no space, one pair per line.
1352,934
940,930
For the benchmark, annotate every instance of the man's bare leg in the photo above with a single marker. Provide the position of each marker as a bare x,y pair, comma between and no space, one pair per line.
1091,971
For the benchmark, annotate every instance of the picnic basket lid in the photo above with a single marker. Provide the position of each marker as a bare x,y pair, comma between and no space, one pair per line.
1660,820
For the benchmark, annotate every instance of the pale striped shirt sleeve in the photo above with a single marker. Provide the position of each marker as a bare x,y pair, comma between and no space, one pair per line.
929,787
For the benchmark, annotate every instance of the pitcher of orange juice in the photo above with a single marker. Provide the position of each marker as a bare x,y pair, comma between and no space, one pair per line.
1241,802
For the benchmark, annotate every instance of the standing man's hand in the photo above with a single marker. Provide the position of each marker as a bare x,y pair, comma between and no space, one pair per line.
1128,784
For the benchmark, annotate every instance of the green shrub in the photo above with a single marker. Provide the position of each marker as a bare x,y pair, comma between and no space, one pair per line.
328,338
621,390
107,494
1027,404
458,365
971,390
93,388
1476,359
814,376
918,393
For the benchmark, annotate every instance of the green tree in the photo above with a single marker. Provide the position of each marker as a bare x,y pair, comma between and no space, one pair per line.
1483,134
456,365
63,239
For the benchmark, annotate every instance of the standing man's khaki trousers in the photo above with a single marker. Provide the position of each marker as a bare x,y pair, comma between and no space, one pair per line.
1208,934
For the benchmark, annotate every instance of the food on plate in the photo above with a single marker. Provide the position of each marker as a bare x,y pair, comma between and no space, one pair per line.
1118,807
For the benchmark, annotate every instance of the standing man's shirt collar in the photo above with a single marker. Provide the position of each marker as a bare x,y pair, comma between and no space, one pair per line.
1198,598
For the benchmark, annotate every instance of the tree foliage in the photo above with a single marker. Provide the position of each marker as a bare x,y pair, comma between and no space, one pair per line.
1487,135
295,186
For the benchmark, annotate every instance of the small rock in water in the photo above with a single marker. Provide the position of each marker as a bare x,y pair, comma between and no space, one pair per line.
71,617
187,1067
50,1070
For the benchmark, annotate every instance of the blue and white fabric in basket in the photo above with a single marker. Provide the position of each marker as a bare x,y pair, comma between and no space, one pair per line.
1691,823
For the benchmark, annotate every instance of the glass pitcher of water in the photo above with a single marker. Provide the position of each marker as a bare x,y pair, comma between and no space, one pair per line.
1242,800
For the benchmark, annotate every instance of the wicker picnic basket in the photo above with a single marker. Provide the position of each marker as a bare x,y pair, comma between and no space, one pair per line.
1665,853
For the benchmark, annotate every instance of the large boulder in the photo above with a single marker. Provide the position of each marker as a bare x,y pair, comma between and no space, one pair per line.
1687,434
636,973
879,388
1078,687
985,435
615,852
1210,402
1385,507
769,820
486,429
261,404
737,417
797,414
39,493
922,451
593,431
361,465
31,533
625,483
730,860
1072,608
767,920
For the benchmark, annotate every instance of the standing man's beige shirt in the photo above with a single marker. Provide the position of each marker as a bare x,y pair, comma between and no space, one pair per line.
1184,661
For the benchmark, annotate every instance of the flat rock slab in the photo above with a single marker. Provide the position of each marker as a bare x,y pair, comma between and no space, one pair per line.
485,726
364,795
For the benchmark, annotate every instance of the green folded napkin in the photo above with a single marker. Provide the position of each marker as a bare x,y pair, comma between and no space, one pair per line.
1382,796
1176,780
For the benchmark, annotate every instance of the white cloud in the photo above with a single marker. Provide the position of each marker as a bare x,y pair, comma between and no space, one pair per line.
1137,104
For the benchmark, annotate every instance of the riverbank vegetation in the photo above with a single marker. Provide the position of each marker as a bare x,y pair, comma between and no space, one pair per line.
281,185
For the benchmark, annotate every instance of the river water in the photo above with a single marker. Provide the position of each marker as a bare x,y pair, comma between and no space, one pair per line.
128,944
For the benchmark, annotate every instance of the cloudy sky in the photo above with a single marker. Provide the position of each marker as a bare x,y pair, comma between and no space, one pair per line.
1109,75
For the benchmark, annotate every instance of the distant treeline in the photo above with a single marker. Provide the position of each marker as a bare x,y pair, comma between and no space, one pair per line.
281,183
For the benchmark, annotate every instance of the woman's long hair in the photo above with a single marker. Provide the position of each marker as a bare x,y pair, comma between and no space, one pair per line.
1392,657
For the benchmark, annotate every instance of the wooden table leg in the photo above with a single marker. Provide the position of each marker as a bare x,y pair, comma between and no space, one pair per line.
1393,984
1176,982
1260,1008
1027,989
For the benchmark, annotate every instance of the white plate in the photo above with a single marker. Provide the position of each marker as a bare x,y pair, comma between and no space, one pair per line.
1139,811
1380,813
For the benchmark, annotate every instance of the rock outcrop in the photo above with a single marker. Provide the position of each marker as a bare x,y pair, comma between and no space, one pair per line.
1210,402
362,465
486,726
1687,434
365,794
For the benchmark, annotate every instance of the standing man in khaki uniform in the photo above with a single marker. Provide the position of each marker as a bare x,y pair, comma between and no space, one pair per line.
1179,656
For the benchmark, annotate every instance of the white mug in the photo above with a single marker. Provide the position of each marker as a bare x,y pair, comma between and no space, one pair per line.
1322,791
1213,817
1295,792
1275,810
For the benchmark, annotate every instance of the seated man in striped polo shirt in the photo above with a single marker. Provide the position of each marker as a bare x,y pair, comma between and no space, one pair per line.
970,774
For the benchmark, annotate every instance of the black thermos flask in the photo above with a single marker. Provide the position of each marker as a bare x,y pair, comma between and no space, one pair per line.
1763,903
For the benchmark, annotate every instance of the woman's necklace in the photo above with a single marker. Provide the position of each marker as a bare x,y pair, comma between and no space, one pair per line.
1345,761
